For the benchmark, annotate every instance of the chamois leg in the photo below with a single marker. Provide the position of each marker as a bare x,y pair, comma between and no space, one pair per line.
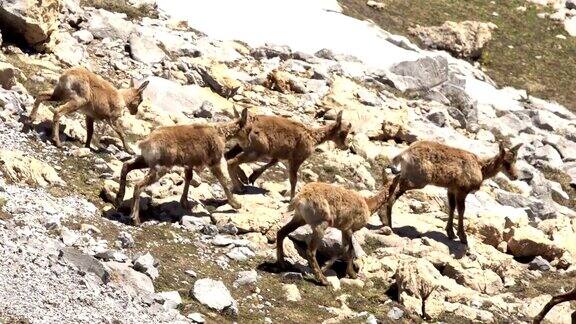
460,204
402,187
89,130
317,234
188,179
451,207
258,172
44,96
290,227
348,253
391,201
571,295
150,178
219,174
132,164
234,168
117,127
64,110
293,169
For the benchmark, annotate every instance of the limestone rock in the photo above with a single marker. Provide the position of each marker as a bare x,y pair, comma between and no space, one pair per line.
422,74
32,20
104,24
23,169
135,283
464,39
8,75
144,49
85,263
215,295
528,241
292,293
66,48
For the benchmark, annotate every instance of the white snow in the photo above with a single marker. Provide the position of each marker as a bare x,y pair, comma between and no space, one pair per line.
304,25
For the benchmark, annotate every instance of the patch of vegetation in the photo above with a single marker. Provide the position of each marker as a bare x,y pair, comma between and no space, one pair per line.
122,6
564,180
524,52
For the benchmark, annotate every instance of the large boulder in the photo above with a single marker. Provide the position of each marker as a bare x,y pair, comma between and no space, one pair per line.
103,24
33,20
19,168
464,39
144,49
422,74
135,283
527,241
84,263
66,48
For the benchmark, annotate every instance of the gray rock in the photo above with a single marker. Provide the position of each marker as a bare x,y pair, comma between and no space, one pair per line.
146,264
240,253
126,240
565,147
228,228
570,169
145,50
437,117
111,255
422,74
196,318
206,110
83,36
221,240
169,299
539,263
395,313
548,121
291,276
103,24
215,295
246,278
550,156
571,4
69,237
209,229
84,263
67,49
135,283
269,51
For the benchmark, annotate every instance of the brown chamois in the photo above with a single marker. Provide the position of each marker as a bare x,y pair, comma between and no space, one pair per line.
459,171
568,296
191,146
323,205
98,99
279,138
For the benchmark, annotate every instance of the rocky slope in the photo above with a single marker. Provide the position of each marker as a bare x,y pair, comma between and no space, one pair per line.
68,255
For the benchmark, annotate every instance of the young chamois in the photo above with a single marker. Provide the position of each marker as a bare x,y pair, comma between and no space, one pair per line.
190,146
323,205
279,138
460,171
98,99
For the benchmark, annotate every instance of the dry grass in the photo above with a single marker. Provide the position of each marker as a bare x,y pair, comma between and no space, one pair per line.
122,6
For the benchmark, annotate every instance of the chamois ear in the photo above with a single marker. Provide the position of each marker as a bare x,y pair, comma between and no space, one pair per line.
236,114
244,117
515,149
339,118
143,86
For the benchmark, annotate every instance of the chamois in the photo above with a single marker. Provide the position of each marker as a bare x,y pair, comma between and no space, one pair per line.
323,205
191,146
460,171
280,138
95,97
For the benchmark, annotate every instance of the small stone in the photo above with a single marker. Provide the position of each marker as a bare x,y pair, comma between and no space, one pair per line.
246,278
206,110
146,264
126,240
69,237
395,313
539,263
437,117
291,276
291,292
241,253
170,299
196,317
228,229
356,283
191,273
110,255
209,229
87,228
334,282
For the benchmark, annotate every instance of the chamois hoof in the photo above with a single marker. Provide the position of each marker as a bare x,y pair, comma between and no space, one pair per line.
323,281
235,204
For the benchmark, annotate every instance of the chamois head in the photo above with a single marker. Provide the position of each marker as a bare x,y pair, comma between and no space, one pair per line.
509,160
340,132
133,97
